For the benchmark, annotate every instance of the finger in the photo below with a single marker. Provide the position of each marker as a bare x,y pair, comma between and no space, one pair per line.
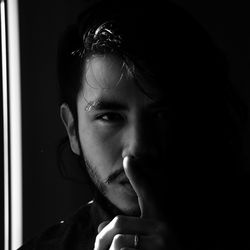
102,225
155,242
123,225
135,176
122,240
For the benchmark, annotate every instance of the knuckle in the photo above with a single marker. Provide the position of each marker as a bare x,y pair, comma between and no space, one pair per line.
118,241
118,222
98,241
118,238
99,238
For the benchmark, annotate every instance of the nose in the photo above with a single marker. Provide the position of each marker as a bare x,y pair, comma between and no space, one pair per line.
138,140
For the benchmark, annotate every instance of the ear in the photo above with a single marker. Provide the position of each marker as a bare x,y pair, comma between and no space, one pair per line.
69,123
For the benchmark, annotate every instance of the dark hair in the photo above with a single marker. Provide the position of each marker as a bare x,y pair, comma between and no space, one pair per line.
158,39
166,44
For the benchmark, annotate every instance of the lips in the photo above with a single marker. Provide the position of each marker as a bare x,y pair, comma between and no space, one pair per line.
122,179
125,181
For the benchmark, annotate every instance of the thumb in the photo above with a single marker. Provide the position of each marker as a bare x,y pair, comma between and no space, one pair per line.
137,179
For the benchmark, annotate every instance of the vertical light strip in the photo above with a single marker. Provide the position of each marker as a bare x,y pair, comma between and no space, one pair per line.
5,126
14,84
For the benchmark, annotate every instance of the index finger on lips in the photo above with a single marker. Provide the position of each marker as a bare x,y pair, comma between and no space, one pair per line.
137,180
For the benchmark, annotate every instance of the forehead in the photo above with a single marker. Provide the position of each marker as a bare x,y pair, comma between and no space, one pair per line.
107,76
103,71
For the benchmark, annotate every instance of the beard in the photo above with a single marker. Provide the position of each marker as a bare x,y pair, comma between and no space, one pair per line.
98,187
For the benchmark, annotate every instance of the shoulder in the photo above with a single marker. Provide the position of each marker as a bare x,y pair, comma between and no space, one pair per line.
75,232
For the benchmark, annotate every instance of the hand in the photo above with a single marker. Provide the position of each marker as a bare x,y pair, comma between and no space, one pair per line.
120,233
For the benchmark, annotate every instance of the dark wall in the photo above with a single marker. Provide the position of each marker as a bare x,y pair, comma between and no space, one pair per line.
228,23
48,198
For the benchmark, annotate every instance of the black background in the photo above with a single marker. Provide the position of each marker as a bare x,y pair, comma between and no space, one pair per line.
48,198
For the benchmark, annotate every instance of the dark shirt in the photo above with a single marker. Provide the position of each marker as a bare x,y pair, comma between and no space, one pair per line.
75,233
230,230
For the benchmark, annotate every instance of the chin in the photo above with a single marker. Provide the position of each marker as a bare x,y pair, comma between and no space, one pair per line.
133,211
125,200
130,206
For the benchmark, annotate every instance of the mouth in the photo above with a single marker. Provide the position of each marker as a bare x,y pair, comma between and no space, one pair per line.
125,181
127,186
119,177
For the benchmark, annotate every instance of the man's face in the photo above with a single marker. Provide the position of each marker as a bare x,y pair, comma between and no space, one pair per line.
115,119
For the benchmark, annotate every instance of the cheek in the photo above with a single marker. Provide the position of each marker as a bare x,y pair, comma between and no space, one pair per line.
162,138
102,148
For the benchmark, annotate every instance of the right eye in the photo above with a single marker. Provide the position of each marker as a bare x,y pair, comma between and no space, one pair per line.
110,117
161,114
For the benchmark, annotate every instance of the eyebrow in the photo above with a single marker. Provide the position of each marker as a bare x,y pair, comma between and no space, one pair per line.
99,105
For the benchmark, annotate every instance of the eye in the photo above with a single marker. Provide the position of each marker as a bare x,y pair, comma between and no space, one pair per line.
110,117
162,114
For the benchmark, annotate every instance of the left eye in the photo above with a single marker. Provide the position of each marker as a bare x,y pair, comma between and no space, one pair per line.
110,117
161,114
